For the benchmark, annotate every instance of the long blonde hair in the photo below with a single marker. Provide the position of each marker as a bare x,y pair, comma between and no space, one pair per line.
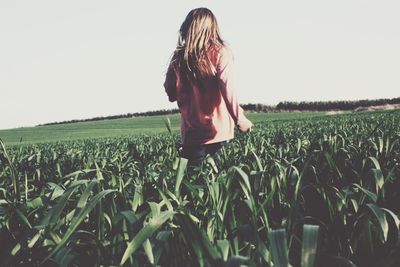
197,35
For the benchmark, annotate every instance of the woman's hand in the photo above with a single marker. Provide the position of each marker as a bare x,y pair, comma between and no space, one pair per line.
245,126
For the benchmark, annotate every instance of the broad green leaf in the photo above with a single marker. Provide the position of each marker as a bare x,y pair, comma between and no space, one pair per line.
155,209
197,241
210,160
380,216
309,245
130,216
224,248
14,175
262,249
35,238
394,217
148,250
145,233
278,247
85,195
137,197
378,178
23,218
78,219
375,162
35,203
167,122
368,193
179,175
260,167
165,200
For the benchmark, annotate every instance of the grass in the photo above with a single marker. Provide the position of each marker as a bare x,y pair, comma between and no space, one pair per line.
118,128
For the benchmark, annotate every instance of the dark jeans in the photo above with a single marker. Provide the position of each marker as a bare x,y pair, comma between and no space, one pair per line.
197,153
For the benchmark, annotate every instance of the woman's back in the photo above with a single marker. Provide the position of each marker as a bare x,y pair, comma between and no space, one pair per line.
208,113
200,78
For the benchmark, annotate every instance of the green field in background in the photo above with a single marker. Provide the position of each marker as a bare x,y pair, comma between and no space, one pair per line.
120,127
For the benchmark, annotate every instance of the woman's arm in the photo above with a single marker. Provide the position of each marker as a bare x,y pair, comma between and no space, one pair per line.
228,90
170,83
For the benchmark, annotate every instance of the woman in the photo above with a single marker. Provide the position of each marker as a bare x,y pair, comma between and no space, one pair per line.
200,79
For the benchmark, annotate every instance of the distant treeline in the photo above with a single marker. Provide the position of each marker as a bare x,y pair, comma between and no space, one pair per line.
127,115
335,105
282,106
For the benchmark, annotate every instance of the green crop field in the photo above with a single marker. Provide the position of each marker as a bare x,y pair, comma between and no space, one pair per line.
300,190
118,128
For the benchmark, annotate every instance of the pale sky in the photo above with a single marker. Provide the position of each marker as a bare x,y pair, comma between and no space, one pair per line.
63,60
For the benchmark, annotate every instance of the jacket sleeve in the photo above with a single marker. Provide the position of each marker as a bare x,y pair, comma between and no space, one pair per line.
227,86
170,83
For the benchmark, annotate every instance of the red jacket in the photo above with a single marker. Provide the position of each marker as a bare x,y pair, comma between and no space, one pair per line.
209,114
